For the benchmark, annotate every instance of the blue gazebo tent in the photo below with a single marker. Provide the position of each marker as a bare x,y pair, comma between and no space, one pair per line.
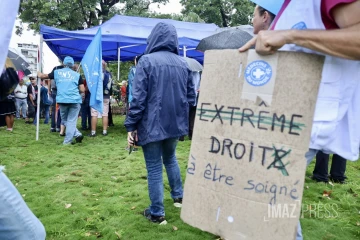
124,37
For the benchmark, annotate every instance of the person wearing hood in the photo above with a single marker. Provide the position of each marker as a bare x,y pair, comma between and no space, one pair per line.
161,93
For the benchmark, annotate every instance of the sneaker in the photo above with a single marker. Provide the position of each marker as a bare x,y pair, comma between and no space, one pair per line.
104,134
178,202
111,125
62,135
92,135
155,219
52,130
78,139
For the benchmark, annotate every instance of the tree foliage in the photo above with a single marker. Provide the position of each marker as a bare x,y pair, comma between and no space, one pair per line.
78,14
124,70
224,13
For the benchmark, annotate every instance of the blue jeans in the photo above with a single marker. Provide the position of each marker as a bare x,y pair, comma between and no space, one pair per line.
69,115
155,154
86,113
16,219
21,104
309,156
47,113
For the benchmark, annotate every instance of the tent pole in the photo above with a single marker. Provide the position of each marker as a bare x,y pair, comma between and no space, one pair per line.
118,73
39,68
184,51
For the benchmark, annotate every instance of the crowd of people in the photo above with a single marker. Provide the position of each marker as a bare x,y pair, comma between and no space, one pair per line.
22,103
163,96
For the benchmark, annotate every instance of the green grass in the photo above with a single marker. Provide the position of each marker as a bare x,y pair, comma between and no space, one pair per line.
107,189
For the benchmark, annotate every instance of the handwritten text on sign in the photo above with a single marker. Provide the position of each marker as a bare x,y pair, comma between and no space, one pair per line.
227,148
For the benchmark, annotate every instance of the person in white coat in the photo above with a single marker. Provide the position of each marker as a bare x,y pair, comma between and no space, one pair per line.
330,28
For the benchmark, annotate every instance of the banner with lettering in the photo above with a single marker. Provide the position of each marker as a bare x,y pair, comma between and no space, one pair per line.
247,164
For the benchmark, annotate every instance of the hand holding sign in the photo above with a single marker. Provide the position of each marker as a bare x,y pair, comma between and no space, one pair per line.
268,42
250,155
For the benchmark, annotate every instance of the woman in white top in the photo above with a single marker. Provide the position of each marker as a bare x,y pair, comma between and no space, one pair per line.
20,98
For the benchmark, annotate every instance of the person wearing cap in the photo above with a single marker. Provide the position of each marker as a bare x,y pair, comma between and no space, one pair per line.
69,89
32,90
20,97
330,28
262,19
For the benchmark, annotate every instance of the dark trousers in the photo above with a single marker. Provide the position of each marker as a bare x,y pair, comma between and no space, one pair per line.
31,110
54,122
192,115
58,120
86,113
337,171
110,115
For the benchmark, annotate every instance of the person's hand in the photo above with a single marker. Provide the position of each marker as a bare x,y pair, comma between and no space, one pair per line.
267,42
82,96
248,45
131,139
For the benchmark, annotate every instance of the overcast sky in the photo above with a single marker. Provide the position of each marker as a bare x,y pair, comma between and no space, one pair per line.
173,6
50,60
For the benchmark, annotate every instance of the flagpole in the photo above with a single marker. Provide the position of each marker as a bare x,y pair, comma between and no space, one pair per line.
39,68
118,73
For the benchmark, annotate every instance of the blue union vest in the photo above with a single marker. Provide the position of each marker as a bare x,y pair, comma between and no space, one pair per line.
67,84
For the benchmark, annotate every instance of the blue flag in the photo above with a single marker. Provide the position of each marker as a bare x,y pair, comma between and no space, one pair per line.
92,67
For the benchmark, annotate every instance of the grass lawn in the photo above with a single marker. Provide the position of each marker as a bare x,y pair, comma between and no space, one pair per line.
97,190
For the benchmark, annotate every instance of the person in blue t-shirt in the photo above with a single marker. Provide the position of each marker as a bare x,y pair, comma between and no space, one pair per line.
70,93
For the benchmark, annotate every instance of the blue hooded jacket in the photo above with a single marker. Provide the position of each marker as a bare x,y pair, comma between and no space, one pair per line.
162,89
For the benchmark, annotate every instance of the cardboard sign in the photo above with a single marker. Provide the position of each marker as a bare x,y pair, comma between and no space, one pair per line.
246,168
